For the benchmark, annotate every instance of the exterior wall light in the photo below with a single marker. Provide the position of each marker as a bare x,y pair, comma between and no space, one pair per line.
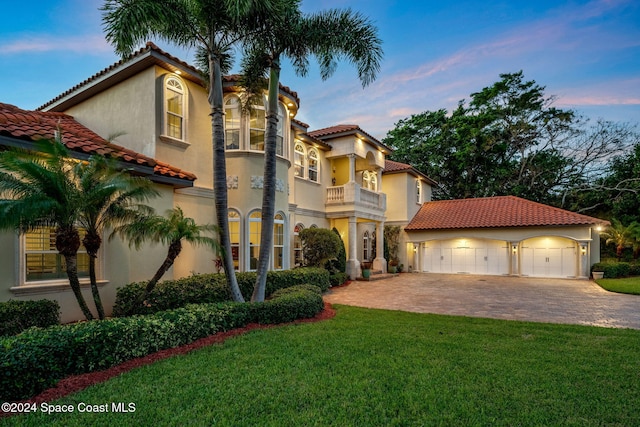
514,249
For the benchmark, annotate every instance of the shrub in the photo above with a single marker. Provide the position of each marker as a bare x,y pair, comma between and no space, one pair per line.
319,245
612,270
38,358
634,269
16,316
208,288
338,279
339,264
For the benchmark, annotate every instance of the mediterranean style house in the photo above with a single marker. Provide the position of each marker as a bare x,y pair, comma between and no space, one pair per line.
336,177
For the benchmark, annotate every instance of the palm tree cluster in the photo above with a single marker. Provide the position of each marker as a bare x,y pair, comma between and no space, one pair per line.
267,31
623,236
48,188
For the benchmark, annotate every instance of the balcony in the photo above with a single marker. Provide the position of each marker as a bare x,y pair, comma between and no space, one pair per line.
352,197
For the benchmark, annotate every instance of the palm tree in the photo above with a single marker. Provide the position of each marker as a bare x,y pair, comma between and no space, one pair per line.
40,190
170,230
109,198
212,26
621,236
286,32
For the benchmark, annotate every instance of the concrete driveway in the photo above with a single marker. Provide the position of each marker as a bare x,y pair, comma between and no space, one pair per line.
579,302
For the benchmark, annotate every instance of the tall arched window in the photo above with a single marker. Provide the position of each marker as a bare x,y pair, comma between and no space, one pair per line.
257,126
298,257
280,132
298,159
174,95
255,227
366,179
232,123
278,242
365,246
234,236
313,165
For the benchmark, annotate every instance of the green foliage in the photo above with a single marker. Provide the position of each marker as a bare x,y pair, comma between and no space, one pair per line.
16,316
38,358
207,288
612,270
338,265
319,245
392,239
337,279
628,285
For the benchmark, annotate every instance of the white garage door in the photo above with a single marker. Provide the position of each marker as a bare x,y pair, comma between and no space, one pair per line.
472,256
548,257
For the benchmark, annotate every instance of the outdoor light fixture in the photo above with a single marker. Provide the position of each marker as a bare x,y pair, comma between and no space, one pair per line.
583,249
514,249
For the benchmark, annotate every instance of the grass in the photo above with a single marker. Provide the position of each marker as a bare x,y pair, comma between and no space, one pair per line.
626,285
375,367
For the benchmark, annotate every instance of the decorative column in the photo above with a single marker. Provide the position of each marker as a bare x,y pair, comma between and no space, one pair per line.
379,180
353,265
379,263
513,257
352,167
583,265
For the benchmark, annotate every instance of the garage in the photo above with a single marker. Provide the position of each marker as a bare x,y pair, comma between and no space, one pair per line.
549,257
472,256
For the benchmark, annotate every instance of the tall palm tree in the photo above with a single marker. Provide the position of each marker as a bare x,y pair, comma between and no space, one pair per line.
110,198
621,236
286,32
40,190
172,230
212,26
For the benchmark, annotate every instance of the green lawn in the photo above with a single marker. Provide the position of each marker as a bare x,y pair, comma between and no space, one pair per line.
379,368
627,285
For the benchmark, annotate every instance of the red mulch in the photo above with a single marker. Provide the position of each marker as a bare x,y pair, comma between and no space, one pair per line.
80,382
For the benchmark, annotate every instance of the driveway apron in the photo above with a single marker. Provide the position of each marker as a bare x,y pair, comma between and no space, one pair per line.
571,301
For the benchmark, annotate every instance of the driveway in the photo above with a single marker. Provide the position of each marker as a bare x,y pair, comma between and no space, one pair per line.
572,301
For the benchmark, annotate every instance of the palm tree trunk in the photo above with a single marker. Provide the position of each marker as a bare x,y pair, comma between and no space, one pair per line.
94,287
71,260
174,250
220,175
269,190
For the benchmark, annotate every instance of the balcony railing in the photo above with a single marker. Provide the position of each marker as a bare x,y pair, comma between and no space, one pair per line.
352,193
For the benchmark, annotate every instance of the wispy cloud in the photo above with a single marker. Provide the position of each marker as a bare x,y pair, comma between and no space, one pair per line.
36,44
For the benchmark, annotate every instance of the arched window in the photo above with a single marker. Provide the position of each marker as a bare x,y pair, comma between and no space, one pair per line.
174,95
255,227
234,236
313,165
365,179
373,181
298,256
257,126
298,159
232,123
365,246
418,191
280,132
278,242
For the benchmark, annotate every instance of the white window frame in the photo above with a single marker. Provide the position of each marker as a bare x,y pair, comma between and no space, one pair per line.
279,223
174,84
234,217
299,155
254,109
366,246
313,157
253,247
236,111
298,254
418,191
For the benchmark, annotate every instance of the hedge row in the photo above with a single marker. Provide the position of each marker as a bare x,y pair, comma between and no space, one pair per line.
613,270
38,358
16,316
208,288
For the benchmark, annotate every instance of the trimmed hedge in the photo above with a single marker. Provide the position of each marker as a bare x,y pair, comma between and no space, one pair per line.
38,358
337,279
208,288
16,316
612,270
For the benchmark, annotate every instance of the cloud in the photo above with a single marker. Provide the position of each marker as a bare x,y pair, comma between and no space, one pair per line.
84,44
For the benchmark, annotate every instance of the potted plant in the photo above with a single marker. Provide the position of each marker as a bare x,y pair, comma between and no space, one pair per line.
393,266
366,270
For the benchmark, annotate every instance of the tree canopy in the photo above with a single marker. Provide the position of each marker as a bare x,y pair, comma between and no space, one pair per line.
509,139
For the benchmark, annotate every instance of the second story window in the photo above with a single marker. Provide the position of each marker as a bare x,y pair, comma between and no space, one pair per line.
418,191
280,132
174,96
257,126
298,160
232,123
313,165
370,180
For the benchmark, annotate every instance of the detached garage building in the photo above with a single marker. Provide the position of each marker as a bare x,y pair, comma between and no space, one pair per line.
503,236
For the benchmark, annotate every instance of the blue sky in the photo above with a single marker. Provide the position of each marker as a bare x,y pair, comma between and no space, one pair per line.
586,53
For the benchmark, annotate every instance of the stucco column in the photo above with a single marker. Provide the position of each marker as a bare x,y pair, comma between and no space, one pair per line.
379,180
379,263
352,167
583,264
353,265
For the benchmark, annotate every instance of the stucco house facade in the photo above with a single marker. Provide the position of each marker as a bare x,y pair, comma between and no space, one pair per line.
333,177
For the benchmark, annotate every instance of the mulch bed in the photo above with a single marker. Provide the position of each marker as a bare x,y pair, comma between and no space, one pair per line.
76,383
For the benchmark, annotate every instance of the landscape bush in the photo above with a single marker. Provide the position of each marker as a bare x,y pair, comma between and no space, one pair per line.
612,270
16,316
208,288
37,358
337,279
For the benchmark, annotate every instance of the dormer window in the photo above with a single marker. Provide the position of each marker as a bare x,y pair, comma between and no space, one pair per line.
298,160
313,165
175,96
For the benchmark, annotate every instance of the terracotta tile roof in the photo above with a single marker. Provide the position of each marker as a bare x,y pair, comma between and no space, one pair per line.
35,125
391,167
493,212
346,129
